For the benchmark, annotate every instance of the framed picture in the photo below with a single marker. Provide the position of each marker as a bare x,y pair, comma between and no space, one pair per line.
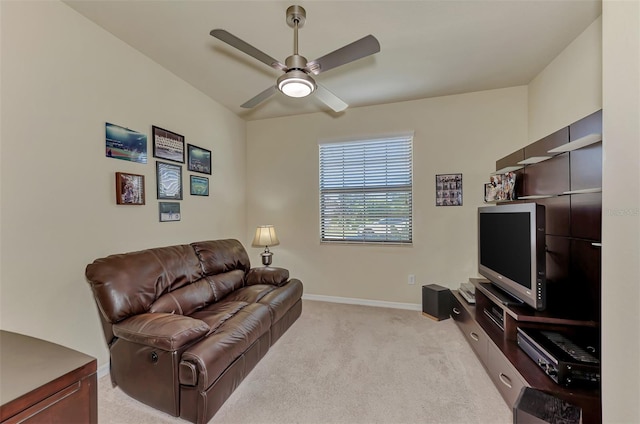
198,159
490,192
199,186
169,211
449,190
129,189
167,145
123,143
169,178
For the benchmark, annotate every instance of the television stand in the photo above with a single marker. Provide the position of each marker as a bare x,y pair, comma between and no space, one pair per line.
490,327
501,295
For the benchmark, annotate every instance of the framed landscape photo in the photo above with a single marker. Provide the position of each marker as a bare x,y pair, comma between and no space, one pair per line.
123,143
198,159
167,145
129,189
449,190
199,186
169,178
169,211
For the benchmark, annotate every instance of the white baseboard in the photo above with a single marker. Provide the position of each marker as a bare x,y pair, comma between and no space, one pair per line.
364,302
103,370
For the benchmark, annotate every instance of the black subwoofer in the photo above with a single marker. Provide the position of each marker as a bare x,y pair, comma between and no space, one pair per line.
436,302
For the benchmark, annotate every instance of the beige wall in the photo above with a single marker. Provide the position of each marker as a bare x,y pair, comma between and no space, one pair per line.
570,87
62,78
455,134
621,213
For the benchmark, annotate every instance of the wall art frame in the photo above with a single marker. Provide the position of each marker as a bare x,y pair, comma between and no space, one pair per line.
169,211
449,190
167,144
124,143
199,186
130,189
198,159
169,181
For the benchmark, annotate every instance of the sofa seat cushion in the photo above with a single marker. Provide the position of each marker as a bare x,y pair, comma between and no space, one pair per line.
250,294
218,313
204,362
278,299
281,299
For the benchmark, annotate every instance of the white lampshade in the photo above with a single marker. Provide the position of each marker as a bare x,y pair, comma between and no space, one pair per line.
265,236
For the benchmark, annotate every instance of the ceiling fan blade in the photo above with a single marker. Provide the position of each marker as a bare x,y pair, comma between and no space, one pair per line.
330,99
260,98
358,49
247,48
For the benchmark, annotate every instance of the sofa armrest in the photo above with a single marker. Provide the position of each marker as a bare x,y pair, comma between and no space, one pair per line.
267,275
161,330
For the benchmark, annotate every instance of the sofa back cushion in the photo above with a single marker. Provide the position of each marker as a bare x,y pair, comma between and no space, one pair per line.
127,284
225,283
220,256
185,300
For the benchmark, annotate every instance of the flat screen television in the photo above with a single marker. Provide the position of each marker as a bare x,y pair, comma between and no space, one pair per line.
511,251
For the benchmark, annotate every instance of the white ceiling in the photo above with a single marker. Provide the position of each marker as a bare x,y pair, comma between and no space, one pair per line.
428,48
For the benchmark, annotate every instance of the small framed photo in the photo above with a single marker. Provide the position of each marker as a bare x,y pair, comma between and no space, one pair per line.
169,178
199,186
449,190
129,189
123,143
490,193
169,211
198,159
167,145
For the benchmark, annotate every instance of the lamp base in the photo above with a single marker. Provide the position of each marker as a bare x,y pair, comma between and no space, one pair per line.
266,258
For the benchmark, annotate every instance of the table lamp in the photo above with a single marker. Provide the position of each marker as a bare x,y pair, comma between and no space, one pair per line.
265,236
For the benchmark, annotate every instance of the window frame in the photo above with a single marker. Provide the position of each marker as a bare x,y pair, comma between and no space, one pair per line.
371,194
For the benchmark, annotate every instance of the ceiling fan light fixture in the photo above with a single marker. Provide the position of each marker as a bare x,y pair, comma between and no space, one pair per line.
296,84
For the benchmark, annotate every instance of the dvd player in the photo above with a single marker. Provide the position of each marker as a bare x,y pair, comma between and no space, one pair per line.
569,363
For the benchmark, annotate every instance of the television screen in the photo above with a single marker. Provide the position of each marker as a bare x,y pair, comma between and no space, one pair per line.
505,245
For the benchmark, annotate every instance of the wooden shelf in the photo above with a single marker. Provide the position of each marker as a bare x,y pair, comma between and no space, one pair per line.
578,144
507,169
584,190
534,159
537,196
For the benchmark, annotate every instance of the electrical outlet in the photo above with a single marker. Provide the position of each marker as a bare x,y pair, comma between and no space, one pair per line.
411,279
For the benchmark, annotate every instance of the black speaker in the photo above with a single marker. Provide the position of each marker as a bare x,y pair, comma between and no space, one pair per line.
537,407
436,302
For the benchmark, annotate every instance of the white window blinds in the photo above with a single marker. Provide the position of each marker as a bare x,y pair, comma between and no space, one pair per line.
366,191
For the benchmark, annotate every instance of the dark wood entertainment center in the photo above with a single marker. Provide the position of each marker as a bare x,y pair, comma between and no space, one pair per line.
563,172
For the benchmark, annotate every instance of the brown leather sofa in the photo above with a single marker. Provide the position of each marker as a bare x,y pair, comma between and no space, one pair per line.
185,324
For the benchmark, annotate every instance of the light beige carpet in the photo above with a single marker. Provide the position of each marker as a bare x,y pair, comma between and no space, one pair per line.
350,364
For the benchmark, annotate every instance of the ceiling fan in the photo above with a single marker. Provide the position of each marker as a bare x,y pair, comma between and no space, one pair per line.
296,80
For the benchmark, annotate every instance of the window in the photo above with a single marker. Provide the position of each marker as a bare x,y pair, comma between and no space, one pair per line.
366,191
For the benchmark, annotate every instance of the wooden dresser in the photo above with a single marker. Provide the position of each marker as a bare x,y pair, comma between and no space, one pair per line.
45,382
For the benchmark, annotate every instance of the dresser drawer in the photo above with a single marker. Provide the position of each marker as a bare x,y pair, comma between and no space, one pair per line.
507,379
476,337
